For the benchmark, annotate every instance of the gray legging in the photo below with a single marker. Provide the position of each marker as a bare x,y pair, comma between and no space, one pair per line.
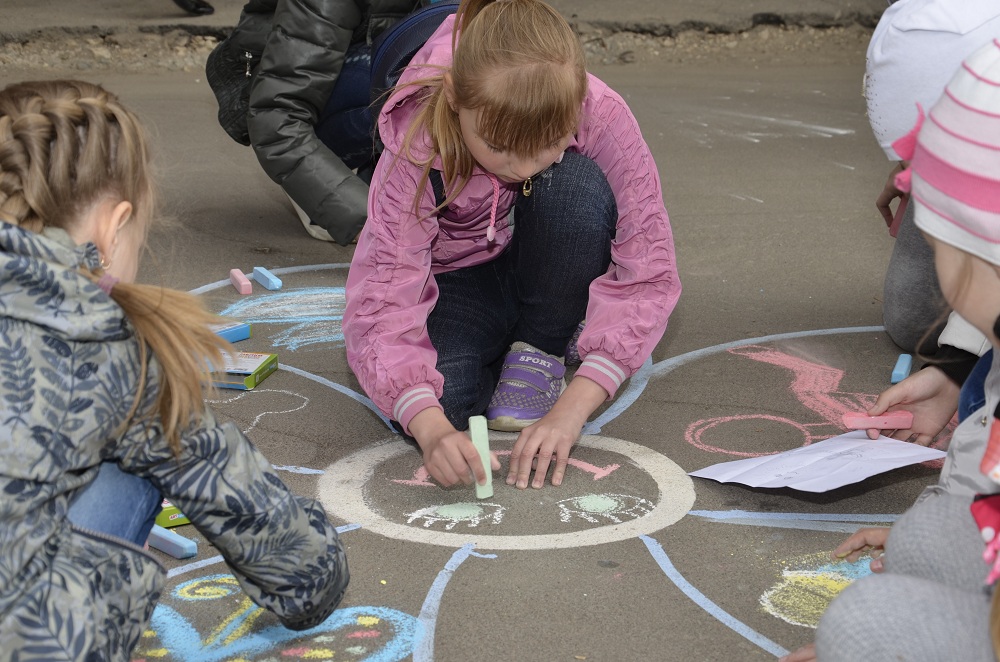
912,301
929,605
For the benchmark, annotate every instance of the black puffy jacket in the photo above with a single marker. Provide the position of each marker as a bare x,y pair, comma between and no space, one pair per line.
303,43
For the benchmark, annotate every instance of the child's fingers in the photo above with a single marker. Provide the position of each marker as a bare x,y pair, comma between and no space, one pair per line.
520,463
541,468
470,459
876,565
494,462
560,470
442,473
860,542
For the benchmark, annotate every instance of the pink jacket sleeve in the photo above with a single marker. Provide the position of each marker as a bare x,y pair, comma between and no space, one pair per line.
390,292
629,305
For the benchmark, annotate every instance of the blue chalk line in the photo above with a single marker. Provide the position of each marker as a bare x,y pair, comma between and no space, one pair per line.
702,601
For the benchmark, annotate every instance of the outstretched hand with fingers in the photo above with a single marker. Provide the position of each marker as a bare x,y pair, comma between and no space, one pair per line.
932,398
551,438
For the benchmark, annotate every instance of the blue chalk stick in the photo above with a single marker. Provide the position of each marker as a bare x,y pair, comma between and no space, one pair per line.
233,332
171,543
266,278
902,369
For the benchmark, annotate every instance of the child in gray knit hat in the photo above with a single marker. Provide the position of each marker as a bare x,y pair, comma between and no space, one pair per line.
934,598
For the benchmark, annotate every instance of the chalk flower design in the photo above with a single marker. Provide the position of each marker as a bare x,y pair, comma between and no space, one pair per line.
452,514
594,508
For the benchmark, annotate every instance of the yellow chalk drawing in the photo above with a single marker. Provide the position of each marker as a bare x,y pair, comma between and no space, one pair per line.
318,654
804,593
247,609
208,589
368,621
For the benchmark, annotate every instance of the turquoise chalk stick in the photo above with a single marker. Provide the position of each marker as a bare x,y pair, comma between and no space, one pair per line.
266,278
481,440
902,369
171,543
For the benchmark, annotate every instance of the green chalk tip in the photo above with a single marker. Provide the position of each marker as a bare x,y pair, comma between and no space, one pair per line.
481,440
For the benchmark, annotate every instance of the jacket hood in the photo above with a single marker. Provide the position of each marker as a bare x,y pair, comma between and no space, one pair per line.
40,284
404,103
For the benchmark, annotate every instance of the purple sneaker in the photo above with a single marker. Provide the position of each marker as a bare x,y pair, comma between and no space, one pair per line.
530,383
572,350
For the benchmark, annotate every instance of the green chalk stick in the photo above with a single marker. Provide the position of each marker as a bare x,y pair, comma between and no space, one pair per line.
481,440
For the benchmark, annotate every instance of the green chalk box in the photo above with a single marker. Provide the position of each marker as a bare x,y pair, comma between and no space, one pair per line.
245,370
171,516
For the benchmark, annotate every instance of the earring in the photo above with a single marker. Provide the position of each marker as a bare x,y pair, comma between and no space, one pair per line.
105,263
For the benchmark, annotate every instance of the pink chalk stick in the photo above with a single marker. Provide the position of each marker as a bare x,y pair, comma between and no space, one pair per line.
240,282
893,420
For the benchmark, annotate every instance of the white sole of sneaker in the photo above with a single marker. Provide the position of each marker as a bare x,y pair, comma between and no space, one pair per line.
509,424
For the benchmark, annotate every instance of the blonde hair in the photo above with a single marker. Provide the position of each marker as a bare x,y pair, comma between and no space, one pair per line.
519,63
66,145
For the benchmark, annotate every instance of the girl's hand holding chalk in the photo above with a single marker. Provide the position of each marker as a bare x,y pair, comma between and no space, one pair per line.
929,395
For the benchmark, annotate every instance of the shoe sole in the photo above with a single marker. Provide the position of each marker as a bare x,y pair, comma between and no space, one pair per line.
510,424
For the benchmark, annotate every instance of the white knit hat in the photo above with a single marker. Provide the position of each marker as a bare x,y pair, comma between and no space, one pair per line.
954,173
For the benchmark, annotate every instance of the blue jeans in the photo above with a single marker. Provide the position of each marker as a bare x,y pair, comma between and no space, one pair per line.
118,504
536,291
345,124
973,393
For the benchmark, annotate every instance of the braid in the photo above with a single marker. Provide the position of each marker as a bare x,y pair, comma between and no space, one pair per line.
64,147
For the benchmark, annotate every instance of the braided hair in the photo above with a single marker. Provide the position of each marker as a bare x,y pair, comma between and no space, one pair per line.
65,146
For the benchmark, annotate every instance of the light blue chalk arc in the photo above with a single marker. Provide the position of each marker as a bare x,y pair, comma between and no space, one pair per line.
700,599
282,270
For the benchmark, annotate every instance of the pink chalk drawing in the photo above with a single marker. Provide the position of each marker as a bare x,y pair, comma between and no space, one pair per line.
813,384
423,479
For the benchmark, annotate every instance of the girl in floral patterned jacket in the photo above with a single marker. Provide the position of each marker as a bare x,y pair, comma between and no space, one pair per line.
101,392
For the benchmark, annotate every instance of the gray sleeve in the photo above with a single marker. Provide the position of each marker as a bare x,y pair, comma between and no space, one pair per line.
280,546
300,64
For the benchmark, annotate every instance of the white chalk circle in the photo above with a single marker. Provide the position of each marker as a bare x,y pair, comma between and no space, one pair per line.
343,483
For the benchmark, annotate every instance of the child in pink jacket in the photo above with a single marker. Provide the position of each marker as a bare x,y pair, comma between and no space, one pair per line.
515,198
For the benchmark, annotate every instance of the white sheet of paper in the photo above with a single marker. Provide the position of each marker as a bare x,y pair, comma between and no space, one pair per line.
822,466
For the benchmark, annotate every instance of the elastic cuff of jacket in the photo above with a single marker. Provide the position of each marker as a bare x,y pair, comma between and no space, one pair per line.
955,363
412,402
605,371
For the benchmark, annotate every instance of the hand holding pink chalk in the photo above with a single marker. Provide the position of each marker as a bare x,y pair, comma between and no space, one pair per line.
891,420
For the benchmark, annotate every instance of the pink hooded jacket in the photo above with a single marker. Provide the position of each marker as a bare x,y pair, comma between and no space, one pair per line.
391,288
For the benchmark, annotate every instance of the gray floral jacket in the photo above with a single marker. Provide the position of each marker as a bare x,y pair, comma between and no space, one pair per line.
68,375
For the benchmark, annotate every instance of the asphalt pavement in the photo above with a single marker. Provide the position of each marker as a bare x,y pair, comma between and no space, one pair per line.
770,173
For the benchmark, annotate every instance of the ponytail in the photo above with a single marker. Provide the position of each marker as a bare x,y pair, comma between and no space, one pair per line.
175,327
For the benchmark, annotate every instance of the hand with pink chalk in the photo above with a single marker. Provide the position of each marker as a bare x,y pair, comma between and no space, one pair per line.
929,395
